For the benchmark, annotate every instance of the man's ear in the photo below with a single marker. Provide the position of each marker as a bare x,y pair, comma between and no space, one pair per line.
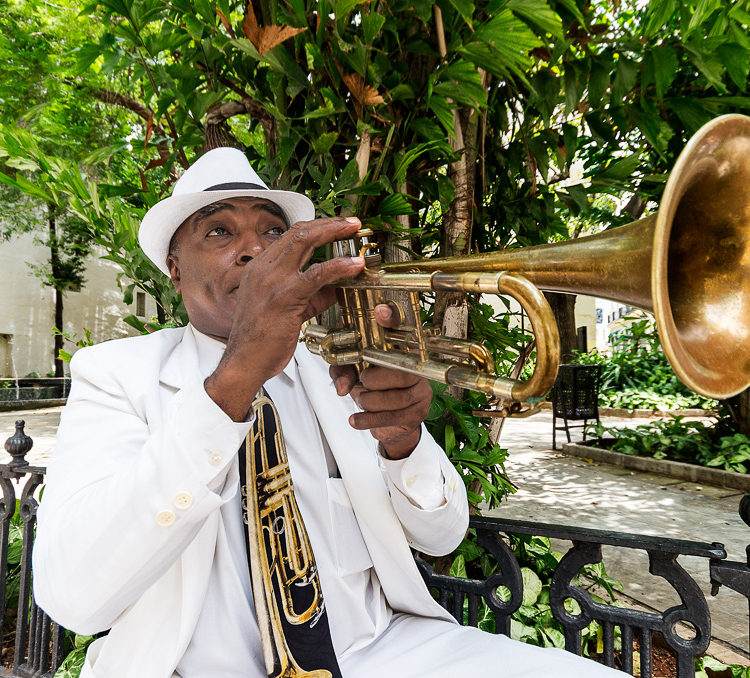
174,272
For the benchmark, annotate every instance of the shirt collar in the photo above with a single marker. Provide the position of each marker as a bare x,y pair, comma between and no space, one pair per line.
211,350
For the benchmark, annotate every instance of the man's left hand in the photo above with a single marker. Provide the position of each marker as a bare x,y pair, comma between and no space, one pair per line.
394,403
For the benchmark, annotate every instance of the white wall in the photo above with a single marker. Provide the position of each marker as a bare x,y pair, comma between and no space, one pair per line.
27,309
585,314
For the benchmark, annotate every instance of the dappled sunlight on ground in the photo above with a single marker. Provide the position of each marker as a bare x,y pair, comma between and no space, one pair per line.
554,488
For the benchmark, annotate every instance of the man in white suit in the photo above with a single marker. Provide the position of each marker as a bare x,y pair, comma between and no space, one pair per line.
140,529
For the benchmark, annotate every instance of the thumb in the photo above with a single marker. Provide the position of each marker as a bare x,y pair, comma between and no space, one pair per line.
388,315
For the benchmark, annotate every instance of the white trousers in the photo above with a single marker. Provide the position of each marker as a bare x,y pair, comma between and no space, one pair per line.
417,647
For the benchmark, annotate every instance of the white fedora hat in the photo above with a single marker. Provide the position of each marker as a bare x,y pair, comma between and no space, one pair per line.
217,175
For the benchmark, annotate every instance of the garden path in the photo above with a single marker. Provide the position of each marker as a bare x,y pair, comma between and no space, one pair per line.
557,489
554,488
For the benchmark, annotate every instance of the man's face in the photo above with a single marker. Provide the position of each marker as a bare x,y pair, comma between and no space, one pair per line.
209,253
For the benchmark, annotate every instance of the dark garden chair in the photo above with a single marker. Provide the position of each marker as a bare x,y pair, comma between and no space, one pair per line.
575,397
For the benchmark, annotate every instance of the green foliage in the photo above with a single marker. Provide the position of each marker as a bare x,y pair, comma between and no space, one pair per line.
73,339
533,622
73,663
705,664
689,441
638,375
15,548
466,438
468,446
502,334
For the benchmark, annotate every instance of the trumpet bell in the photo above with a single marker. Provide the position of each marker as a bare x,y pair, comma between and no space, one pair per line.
700,282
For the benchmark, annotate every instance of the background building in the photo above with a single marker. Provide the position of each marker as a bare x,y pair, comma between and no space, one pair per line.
27,308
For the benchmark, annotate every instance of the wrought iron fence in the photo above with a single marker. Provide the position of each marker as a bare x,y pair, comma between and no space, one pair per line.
461,597
39,647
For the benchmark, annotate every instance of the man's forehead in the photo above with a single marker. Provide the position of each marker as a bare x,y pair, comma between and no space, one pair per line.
233,204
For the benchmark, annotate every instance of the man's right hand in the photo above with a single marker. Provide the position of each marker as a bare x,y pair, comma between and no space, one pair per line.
274,298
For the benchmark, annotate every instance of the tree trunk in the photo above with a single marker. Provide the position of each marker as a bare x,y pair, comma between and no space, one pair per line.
55,266
563,307
161,316
452,309
394,252
739,407
59,371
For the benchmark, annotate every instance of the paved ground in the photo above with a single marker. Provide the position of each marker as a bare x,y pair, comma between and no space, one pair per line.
41,425
567,490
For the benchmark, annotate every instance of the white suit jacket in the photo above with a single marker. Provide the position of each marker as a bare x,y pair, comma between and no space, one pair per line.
118,548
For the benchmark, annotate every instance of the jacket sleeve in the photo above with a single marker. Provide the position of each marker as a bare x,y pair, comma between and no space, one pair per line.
429,498
124,496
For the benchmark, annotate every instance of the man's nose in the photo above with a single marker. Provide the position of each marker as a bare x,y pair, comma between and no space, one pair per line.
250,246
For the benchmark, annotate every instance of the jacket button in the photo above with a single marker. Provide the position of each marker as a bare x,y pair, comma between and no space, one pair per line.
165,518
215,458
183,500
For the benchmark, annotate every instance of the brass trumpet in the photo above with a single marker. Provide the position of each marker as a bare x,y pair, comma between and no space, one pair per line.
279,549
689,264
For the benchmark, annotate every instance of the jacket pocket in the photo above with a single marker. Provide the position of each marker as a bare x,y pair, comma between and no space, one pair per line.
351,552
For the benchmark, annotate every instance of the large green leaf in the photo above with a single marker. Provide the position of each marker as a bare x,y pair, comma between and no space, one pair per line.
690,111
626,74
342,8
736,61
502,46
394,204
465,9
538,14
29,188
703,9
658,14
461,82
598,81
665,66
372,23
620,169
323,143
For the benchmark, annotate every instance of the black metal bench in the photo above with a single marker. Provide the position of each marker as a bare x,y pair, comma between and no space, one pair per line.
575,397
40,646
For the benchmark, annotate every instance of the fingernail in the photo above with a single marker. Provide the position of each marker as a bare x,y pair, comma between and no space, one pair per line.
339,386
351,420
352,220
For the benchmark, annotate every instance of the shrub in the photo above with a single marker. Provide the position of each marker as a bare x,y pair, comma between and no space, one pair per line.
638,375
533,622
694,442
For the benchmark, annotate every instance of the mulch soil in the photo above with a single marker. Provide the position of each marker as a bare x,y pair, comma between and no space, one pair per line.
663,660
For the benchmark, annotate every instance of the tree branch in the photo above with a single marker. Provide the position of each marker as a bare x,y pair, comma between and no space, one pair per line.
124,101
221,112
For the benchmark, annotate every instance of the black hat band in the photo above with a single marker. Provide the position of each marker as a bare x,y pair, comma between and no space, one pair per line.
233,185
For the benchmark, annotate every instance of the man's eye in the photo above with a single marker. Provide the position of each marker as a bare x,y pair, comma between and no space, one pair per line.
276,230
218,230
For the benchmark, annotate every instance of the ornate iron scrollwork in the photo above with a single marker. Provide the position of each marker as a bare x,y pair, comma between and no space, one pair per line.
587,550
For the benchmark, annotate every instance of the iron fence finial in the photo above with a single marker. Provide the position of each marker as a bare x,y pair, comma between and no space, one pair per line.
18,445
